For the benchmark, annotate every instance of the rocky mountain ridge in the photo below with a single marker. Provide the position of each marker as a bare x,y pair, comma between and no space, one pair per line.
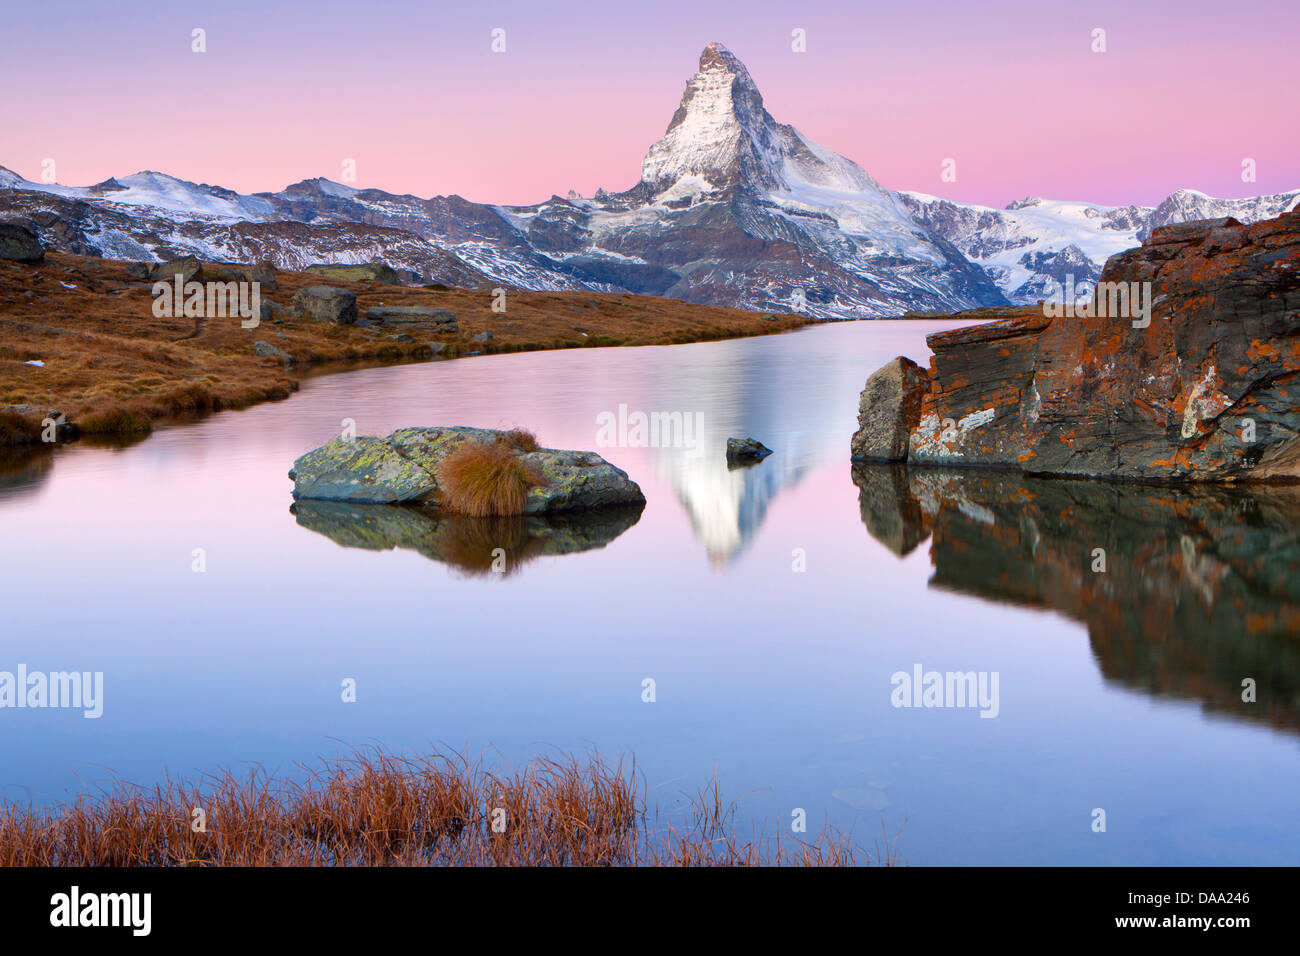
732,208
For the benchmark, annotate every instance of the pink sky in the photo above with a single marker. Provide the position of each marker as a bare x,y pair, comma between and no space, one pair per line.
413,93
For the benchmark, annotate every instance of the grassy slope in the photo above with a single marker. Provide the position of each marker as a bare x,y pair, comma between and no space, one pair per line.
113,367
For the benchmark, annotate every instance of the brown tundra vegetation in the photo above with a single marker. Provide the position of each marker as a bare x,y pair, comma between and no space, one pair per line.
375,809
113,367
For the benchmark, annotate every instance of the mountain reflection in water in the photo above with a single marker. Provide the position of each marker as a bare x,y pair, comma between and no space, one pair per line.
1201,588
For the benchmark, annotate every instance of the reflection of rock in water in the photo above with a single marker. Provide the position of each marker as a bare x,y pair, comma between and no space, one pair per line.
24,469
464,543
1201,589
891,515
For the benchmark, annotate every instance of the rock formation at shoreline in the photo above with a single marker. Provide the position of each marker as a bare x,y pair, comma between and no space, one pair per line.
404,469
1203,388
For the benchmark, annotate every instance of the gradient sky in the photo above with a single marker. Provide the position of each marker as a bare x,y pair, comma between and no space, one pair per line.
412,92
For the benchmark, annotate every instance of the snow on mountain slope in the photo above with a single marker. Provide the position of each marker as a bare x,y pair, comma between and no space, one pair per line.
1033,239
731,208
1186,205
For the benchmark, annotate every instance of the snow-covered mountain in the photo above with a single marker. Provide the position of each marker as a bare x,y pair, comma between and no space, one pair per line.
731,208
1034,240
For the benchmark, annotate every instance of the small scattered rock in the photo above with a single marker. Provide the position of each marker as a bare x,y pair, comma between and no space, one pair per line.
64,430
263,273
324,303
188,268
408,315
745,450
482,337
267,350
360,272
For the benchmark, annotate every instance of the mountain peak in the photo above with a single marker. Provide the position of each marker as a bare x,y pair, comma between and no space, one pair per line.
715,56
720,126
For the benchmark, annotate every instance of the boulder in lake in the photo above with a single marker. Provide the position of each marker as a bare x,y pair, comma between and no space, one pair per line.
404,468
19,244
889,410
323,303
745,450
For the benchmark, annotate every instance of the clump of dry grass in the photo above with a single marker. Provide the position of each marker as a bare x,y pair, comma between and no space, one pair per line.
18,429
114,420
480,479
379,810
521,439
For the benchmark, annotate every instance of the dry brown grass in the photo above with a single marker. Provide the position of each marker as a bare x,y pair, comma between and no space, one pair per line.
106,354
482,479
379,810
18,429
521,439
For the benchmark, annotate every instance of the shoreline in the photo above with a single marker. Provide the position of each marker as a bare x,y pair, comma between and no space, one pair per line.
114,369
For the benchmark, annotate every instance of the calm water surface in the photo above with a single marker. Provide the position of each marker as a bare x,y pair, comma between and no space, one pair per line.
1118,691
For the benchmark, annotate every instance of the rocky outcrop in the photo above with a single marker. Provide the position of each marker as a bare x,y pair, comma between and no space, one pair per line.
1202,386
19,244
401,316
403,468
362,272
889,410
187,267
263,273
325,303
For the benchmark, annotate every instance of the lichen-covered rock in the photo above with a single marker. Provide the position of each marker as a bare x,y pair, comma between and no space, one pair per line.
1205,386
403,468
890,408
325,303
